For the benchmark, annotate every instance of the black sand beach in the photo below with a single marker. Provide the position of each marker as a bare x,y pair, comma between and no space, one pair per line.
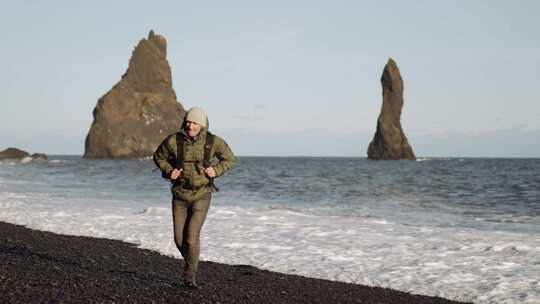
43,267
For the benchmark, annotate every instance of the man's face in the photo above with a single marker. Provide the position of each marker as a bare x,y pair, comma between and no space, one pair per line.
193,128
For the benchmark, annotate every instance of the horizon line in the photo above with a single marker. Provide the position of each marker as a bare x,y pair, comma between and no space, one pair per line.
331,156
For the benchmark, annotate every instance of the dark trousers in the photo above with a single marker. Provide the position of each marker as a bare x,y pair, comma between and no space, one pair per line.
188,219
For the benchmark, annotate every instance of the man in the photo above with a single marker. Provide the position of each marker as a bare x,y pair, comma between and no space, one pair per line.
185,158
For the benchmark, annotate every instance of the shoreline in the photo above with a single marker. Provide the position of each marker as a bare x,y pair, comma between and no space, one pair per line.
40,266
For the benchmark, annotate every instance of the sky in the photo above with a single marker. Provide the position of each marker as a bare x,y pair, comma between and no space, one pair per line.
284,78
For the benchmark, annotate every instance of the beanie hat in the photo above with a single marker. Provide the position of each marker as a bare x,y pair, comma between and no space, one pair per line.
197,115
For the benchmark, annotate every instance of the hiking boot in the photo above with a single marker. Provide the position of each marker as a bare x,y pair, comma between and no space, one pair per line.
190,282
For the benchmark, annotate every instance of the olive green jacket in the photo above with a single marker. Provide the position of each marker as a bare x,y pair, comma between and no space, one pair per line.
193,171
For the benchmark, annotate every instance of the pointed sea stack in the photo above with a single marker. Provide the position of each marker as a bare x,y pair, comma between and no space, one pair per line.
389,142
140,110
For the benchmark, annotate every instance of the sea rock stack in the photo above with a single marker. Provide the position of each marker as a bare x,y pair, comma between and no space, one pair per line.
42,156
140,110
13,153
389,142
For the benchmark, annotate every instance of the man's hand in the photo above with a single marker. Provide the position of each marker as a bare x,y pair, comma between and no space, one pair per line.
175,174
210,172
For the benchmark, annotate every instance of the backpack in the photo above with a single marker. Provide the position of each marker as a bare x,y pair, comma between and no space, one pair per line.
207,148
179,162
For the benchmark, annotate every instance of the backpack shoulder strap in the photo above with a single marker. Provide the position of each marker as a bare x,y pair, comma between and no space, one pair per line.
208,148
206,161
179,151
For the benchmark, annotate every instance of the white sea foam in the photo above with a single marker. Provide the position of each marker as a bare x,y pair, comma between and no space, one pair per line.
7,163
452,262
159,211
26,160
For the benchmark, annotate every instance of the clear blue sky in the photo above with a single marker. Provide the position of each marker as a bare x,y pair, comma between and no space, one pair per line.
284,77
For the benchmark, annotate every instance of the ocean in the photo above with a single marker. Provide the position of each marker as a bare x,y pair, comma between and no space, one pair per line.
460,228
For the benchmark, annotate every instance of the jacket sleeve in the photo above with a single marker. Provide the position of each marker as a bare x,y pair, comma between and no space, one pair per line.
162,155
224,155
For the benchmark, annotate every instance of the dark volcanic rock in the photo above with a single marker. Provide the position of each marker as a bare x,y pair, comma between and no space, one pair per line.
389,141
13,153
140,110
43,267
39,156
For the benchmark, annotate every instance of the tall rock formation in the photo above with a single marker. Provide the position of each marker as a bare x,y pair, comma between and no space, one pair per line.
140,110
389,141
